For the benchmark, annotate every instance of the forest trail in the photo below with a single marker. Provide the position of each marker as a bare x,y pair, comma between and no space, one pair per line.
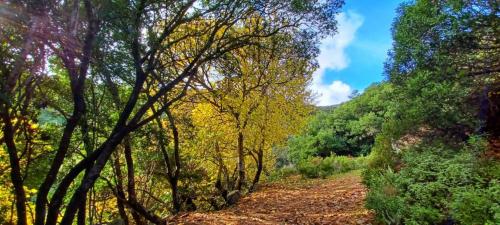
335,200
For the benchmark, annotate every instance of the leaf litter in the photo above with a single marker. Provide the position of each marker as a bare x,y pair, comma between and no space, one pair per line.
335,200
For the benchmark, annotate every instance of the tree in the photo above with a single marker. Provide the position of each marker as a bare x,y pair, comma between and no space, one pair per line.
444,71
445,54
144,52
251,77
348,129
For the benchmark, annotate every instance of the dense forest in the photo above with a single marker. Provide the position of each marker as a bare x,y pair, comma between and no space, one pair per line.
135,111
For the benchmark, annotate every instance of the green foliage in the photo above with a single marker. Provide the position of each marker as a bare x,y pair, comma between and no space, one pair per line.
382,155
383,196
441,104
316,167
310,168
422,170
436,183
281,173
434,45
348,129
474,205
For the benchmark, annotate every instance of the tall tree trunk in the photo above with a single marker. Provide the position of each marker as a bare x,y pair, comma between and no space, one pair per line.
127,145
119,187
175,194
172,170
260,156
88,146
81,212
15,169
77,76
222,171
240,182
9,132
131,178
174,177
102,155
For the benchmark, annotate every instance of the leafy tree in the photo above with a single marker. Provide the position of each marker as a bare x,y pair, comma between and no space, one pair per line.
444,72
348,129
107,70
445,64
258,87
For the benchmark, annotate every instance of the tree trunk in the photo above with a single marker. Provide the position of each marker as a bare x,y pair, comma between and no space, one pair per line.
98,158
15,169
8,89
81,212
131,178
260,156
175,194
77,83
175,175
119,187
240,182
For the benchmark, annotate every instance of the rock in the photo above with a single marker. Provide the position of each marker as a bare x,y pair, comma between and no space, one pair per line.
233,197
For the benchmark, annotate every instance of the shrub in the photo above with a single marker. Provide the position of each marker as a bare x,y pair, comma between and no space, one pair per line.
384,197
310,167
473,205
282,172
314,167
382,156
436,184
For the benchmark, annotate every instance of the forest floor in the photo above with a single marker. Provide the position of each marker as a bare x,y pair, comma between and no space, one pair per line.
335,200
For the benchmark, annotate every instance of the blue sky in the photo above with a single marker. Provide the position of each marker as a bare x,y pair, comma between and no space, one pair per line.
354,57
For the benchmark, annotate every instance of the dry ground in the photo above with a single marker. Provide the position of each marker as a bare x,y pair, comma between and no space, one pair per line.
336,200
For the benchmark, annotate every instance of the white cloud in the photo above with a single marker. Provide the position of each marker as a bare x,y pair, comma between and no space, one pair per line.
333,57
333,93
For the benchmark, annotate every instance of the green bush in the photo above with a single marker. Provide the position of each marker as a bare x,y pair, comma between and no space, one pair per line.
314,167
384,198
435,184
310,167
282,172
472,205
346,129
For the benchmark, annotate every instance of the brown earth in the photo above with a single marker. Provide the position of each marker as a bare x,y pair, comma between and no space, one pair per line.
336,200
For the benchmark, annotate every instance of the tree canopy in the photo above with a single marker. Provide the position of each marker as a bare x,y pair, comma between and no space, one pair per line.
133,111
99,96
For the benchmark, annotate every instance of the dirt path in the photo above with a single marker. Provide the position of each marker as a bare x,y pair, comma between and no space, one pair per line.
337,200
